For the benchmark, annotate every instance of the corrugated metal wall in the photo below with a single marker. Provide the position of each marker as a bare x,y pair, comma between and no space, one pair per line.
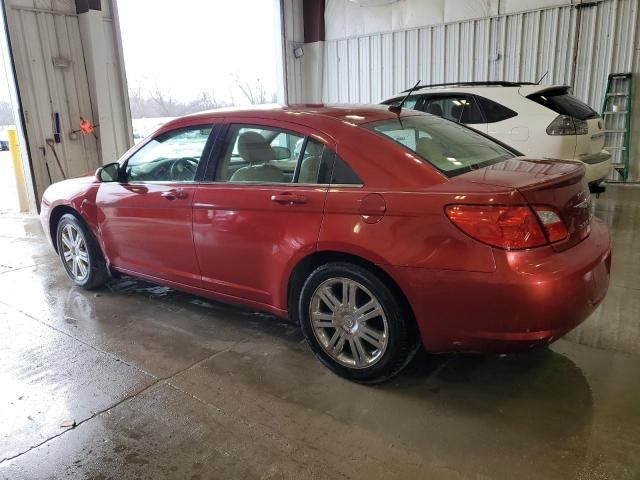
514,47
40,32
293,37
38,36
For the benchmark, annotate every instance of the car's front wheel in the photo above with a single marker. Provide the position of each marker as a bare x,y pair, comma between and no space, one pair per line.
355,324
80,254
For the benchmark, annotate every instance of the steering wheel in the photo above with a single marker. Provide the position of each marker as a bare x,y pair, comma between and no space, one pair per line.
183,168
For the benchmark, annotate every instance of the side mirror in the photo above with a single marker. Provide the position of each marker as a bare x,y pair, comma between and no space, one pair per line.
109,172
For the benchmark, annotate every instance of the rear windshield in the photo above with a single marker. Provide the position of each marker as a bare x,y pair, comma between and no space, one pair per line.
451,148
562,102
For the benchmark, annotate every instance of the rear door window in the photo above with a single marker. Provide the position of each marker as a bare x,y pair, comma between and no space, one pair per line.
494,112
457,108
259,154
562,102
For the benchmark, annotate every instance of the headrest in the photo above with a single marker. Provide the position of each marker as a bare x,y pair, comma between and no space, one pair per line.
314,149
254,148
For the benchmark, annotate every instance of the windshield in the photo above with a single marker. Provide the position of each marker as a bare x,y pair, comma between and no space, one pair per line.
451,148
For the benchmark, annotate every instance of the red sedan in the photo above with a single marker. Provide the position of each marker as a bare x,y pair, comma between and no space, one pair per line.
379,231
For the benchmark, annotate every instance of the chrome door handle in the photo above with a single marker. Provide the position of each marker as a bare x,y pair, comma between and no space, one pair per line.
289,198
174,194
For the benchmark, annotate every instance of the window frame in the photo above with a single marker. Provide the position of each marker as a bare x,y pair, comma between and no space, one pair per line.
202,164
220,146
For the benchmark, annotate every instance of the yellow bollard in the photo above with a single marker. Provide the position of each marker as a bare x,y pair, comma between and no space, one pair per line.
21,184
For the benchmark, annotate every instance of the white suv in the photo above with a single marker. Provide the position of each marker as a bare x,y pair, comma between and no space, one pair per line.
538,120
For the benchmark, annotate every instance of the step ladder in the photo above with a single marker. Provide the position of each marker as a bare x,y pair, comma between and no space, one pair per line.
616,114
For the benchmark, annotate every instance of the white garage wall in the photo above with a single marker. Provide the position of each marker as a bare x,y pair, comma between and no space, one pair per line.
511,46
347,18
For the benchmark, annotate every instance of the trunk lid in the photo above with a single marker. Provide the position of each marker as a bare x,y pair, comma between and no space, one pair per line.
555,183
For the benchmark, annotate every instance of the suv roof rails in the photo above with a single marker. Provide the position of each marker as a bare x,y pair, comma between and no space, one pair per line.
471,84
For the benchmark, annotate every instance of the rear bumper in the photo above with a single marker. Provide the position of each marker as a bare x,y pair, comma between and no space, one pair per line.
598,167
533,297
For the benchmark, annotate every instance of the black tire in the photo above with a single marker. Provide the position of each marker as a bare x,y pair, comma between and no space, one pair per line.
97,273
402,340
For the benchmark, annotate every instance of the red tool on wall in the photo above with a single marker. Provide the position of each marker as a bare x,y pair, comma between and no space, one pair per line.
87,128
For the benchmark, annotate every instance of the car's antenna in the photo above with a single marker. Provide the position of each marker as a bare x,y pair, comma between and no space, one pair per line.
398,108
542,77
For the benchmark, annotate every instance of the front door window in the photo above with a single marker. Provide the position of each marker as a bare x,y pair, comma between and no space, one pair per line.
171,157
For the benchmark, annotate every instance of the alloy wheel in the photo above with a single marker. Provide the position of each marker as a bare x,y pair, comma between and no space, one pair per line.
74,252
349,322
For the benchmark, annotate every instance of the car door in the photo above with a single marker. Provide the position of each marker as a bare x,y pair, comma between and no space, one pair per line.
146,218
459,108
261,210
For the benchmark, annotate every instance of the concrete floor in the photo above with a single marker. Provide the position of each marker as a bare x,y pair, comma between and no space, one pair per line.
162,384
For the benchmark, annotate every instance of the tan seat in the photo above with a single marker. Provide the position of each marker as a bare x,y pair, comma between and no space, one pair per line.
310,166
257,152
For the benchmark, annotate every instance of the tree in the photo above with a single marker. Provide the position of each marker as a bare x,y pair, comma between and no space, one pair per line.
160,103
255,93
167,105
206,101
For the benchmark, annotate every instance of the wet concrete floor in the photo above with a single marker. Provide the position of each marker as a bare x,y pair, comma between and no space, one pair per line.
161,384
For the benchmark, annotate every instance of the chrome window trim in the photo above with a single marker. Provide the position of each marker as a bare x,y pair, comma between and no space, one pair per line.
272,184
160,182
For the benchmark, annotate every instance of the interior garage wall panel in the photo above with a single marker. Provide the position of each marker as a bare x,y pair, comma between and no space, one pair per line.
293,37
459,10
42,36
518,47
117,94
40,32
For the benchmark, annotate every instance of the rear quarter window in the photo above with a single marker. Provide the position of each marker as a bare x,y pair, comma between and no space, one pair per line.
563,103
493,111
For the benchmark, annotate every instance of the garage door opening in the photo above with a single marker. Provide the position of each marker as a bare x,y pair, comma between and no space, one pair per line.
8,189
13,181
196,58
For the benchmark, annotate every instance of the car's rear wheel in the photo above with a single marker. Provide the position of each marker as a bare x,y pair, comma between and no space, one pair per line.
80,253
355,324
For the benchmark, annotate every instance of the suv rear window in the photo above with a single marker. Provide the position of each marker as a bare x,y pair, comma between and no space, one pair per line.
451,148
494,112
562,102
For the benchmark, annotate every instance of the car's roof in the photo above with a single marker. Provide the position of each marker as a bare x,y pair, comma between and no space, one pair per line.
524,90
308,114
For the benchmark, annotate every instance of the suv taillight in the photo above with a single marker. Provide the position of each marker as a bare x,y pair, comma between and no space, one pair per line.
511,228
566,125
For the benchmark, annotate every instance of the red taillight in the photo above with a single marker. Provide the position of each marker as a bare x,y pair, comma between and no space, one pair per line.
552,224
500,226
